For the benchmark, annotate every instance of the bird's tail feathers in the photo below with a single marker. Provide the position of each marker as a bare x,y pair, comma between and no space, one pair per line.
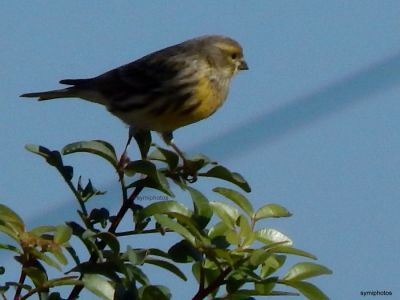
76,82
62,93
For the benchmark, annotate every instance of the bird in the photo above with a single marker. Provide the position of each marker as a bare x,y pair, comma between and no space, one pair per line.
164,90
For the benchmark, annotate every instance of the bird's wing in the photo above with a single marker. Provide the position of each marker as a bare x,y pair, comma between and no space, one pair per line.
143,82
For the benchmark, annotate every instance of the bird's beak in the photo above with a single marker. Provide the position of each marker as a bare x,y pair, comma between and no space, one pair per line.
243,65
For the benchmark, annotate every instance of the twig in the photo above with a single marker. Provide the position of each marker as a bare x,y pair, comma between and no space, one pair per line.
220,280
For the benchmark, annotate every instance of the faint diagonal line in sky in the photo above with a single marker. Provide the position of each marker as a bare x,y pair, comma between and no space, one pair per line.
305,110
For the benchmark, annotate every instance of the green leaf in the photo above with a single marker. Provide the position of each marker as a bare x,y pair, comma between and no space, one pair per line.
271,264
270,236
170,207
97,147
62,281
184,252
306,270
202,209
290,250
164,155
143,167
271,211
158,292
10,248
265,287
224,174
176,227
108,269
167,266
136,256
246,234
59,255
233,238
43,257
52,157
110,240
226,213
191,226
63,234
258,257
37,275
136,273
99,286
219,229
237,198
161,184
309,290
11,219
155,179
40,230
10,232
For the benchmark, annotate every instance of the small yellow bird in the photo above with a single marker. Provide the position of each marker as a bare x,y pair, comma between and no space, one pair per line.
164,90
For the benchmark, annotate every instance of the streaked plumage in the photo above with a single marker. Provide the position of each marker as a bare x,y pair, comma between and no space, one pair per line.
164,90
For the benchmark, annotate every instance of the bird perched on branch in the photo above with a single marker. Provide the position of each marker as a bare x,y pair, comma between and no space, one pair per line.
164,90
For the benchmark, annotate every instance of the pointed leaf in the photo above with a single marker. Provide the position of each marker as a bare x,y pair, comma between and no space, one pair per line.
309,290
306,270
53,158
291,250
40,230
37,275
97,147
99,286
237,198
143,167
10,248
165,207
11,219
202,209
225,212
270,236
63,234
178,228
246,234
136,256
271,211
271,264
59,255
184,252
110,240
48,260
152,292
167,156
224,174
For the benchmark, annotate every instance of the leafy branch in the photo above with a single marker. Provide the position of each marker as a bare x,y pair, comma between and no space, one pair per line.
233,255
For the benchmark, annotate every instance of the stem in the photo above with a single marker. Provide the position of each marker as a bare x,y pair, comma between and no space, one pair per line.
133,232
124,208
126,204
204,292
21,281
113,227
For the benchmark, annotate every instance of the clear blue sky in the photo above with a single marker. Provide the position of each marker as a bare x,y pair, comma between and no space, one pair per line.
313,125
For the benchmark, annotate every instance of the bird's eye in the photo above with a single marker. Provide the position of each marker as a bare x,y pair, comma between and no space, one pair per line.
234,55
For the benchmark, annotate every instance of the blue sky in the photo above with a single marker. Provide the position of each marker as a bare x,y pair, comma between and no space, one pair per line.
313,125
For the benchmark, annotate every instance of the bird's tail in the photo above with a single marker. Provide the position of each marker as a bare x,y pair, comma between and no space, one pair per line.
70,92
54,94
